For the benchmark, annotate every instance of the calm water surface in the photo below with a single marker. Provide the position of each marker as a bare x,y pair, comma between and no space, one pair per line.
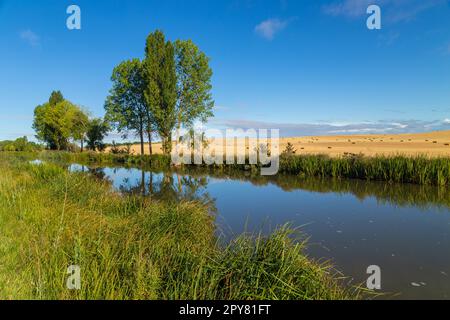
404,229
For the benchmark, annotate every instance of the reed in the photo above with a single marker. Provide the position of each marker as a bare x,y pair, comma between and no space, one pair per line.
397,169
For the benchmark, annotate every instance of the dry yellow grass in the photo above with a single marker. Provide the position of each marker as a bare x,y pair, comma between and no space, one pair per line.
433,144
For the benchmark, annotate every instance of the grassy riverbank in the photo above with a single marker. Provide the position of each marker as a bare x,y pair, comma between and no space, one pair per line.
396,169
135,248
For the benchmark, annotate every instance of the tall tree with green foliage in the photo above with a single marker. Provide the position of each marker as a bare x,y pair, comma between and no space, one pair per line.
58,121
170,88
80,125
96,131
126,108
194,98
160,85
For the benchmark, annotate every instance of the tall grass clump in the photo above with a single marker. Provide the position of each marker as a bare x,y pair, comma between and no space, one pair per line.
156,161
400,169
131,247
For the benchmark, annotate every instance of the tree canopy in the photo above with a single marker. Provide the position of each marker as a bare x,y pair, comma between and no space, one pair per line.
96,132
194,98
80,125
55,98
160,90
126,107
20,144
58,121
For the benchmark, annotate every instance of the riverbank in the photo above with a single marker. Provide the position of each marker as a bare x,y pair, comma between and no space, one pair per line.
399,169
131,247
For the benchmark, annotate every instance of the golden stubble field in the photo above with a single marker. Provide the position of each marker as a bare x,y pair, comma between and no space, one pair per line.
432,144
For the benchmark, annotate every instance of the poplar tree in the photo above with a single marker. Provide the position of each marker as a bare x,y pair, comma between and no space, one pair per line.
160,85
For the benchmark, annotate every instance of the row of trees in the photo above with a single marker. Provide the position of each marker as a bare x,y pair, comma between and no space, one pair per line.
58,122
169,89
20,144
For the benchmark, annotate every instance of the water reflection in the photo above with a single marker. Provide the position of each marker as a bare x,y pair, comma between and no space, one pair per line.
404,229
193,185
168,186
402,195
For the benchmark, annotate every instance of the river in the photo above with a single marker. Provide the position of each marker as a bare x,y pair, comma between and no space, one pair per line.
404,229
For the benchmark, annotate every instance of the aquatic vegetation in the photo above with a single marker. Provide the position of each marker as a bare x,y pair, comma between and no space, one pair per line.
418,170
398,169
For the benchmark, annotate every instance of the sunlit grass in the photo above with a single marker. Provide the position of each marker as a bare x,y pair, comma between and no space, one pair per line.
130,247
400,169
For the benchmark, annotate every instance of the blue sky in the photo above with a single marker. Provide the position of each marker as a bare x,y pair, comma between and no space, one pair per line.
307,67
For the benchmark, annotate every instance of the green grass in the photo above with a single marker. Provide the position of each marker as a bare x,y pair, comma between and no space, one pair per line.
131,247
399,169
159,162
396,169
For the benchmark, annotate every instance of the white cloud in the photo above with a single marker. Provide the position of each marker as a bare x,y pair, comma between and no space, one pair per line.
350,8
268,28
31,38
332,128
361,131
393,10
400,125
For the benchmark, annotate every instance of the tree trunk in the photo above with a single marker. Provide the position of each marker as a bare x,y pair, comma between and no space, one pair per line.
177,140
168,147
150,149
164,144
141,135
142,142
81,145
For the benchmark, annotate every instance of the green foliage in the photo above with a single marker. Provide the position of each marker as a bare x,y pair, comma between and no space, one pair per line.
19,145
126,108
96,132
194,99
55,98
156,162
170,87
418,170
400,169
51,125
161,84
58,121
80,125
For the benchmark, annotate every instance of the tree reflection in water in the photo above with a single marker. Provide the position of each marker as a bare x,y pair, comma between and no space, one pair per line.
169,186
193,185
